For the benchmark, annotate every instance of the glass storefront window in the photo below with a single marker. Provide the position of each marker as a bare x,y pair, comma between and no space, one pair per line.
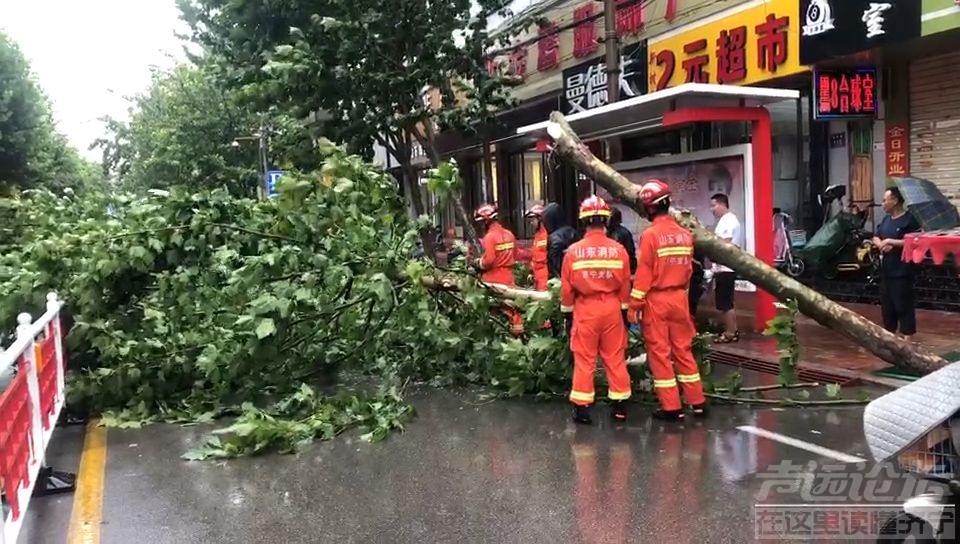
788,143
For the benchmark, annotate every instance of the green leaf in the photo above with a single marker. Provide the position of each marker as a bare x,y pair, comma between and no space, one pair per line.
265,327
833,391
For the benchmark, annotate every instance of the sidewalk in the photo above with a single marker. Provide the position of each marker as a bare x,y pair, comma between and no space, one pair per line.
825,352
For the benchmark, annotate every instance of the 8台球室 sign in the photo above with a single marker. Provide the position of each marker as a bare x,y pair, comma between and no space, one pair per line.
845,94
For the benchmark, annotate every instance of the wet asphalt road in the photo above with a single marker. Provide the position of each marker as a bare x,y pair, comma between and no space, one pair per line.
463,471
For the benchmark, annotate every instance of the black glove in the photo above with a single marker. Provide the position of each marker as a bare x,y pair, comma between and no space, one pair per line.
568,323
626,321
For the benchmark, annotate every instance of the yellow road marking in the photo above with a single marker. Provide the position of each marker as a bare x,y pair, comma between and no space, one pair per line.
88,498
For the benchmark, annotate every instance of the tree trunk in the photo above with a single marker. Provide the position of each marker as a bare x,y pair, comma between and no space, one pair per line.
470,233
413,187
828,313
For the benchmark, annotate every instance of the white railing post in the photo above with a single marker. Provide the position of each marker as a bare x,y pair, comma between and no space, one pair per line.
54,305
24,331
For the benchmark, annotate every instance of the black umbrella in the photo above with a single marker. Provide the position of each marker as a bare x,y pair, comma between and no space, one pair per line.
927,204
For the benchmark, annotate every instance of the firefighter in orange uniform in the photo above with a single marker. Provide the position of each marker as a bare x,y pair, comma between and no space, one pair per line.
496,263
538,261
595,290
659,295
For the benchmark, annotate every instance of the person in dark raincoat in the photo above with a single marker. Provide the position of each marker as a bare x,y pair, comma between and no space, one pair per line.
560,236
621,234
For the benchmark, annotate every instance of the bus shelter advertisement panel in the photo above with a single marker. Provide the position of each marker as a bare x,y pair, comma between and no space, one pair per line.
692,184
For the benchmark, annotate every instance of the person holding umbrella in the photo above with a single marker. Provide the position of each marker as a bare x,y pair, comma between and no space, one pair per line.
897,301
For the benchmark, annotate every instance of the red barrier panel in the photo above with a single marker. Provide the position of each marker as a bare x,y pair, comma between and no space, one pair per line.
29,408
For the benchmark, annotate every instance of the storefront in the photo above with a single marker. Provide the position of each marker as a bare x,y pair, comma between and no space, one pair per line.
752,44
935,122
934,90
857,96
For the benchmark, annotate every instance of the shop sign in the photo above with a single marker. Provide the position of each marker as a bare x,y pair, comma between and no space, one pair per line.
845,94
748,46
897,149
939,16
585,33
585,85
836,28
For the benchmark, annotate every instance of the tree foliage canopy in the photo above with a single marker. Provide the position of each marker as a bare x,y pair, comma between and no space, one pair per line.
190,125
194,304
365,62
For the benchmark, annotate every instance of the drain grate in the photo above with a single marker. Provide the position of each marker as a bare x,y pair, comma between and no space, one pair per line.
771,367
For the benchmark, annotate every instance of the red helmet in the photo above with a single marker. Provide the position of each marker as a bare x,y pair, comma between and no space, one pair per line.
535,211
593,207
654,192
487,212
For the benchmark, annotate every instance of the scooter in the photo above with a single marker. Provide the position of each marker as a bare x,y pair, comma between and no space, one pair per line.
787,241
841,245
917,428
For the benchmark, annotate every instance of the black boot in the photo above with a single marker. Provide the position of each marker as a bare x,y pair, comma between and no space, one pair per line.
700,410
619,411
581,414
669,415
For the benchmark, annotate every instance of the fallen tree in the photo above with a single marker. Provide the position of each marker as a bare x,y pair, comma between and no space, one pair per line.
828,313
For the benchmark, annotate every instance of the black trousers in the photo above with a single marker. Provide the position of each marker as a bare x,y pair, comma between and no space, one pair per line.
696,291
898,305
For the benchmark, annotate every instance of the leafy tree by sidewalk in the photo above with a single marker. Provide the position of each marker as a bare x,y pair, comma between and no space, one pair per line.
32,153
364,62
184,128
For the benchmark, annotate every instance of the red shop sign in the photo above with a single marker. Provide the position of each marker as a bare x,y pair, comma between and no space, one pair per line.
898,152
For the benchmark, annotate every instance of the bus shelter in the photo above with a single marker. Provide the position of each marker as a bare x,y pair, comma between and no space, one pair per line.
700,103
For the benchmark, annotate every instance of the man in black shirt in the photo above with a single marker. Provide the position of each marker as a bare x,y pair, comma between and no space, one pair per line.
897,303
618,232
560,236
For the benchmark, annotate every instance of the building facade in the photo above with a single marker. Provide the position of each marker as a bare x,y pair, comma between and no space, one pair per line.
561,63
907,121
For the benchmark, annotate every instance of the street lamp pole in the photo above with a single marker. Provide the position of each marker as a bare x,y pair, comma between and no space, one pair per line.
263,166
611,44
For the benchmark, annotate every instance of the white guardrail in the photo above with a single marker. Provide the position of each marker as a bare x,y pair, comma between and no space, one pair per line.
30,405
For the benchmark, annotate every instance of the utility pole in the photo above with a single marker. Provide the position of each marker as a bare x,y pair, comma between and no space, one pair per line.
611,43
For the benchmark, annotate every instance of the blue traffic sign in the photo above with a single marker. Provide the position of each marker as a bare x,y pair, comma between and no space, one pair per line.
273,176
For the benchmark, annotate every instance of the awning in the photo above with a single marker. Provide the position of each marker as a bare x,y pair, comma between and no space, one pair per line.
646,112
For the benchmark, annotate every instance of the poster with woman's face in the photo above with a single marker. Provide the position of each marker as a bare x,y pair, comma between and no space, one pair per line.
692,185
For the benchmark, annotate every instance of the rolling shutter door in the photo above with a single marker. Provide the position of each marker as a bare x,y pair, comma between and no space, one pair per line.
935,122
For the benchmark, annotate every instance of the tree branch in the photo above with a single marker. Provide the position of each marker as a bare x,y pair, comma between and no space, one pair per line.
828,313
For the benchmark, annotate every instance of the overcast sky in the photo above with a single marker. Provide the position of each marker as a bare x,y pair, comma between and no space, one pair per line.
90,54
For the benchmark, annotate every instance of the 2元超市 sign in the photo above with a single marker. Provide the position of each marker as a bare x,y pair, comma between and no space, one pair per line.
752,44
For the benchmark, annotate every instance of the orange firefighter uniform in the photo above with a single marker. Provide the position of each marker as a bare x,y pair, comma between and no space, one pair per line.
595,287
499,256
496,264
538,261
660,292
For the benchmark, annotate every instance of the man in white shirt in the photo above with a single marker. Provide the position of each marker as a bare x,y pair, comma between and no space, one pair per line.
725,279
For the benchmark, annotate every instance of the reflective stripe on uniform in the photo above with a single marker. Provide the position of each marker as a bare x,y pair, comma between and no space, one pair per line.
638,294
542,243
665,384
504,246
566,309
688,378
581,396
674,251
613,395
601,264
